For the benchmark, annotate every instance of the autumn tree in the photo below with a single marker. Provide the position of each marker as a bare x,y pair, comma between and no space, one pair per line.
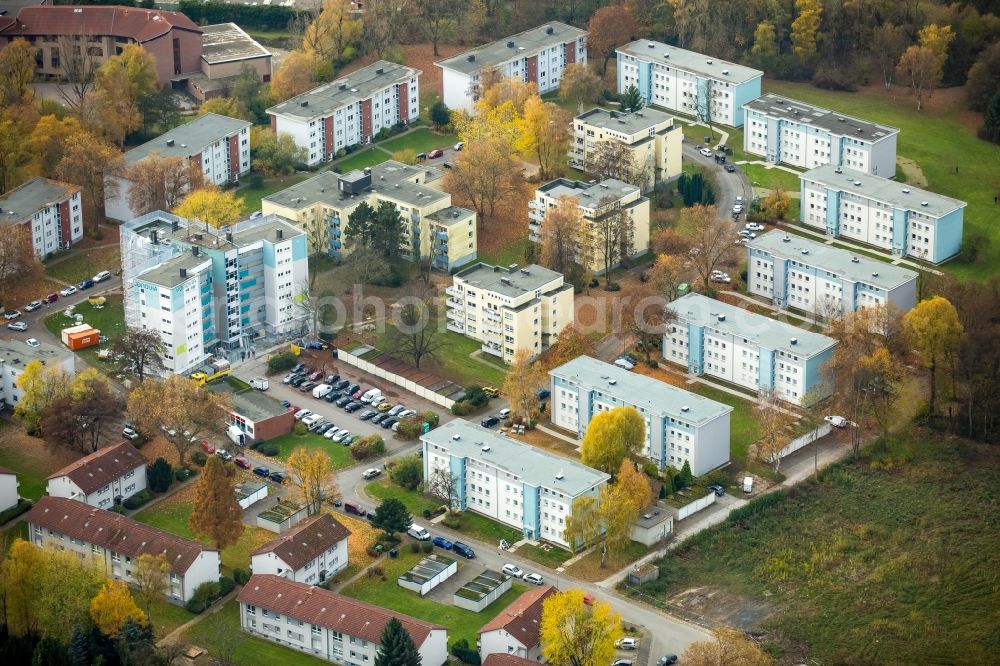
714,237
22,571
296,75
805,28
335,34
614,235
439,20
773,423
888,44
577,634
180,408
496,91
776,204
396,646
277,155
584,525
384,19
545,135
666,276
933,328
521,384
211,205
442,484
47,143
609,28
485,176
119,84
614,159
160,182
618,510
225,106
579,84
634,484
93,164
17,69
765,45
984,78
113,607
566,246
922,69
570,344
730,646
139,351
150,574
215,513
414,335
14,155
18,261
40,386
79,68
77,419
311,474
640,313
612,435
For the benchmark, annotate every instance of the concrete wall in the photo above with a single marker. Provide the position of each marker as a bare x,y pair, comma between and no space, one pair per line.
696,506
402,382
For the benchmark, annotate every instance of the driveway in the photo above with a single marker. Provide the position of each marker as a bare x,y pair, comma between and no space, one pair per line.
36,320
727,185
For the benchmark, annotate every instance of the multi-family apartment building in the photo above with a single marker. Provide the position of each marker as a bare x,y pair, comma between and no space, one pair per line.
516,630
891,216
103,479
599,205
9,496
217,148
329,625
509,309
786,130
538,56
796,272
516,484
680,426
350,110
651,135
113,542
434,229
171,38
310,552
209,290
709,337
51,211
691,83
15,356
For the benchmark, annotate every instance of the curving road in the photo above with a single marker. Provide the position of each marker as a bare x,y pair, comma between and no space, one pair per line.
727,185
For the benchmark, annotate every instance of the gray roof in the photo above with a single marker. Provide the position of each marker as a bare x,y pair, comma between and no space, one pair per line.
777,106
533,466
629,123
525,44
697,63
588,195
356,86
268,230
897,195
168,274
17,354
249,403
188,139
224,42
638,390
192,233
844,263
512,282
21,203
446,217
764,331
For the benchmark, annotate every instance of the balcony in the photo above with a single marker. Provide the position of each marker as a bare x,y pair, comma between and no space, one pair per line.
535,215
534,205
490,349
456,327
456,315
452,291
452,303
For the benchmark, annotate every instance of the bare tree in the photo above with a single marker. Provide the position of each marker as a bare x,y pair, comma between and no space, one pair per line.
415,335
614,159
713,240
384,20
442,484
140,351
773,423
615,235
18,261
79,66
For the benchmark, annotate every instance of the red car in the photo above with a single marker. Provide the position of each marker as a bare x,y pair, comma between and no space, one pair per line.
316,375
361,391
207,447
242,462
51,298
437,152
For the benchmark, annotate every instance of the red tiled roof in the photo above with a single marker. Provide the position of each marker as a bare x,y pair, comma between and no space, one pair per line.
141,25
113,531
306,541
103,466
501,659
522,619
328,609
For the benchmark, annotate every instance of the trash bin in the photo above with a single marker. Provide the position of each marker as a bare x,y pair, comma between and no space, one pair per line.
393,552
378,548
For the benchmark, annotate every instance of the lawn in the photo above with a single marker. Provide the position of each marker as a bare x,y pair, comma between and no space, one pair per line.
742,426
109,320
340,455
761,176
420,140
220,634
77,265
511,253
31,473
416,503
589,568
553,557
938,141
360,160
251,196
166,616
486,530
881,561
387,593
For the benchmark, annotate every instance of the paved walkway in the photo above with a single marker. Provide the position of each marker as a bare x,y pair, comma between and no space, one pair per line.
557,435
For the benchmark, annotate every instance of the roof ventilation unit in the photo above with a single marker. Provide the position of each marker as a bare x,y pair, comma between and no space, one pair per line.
795,341
874,273
456,437
471,57
838,170
304,103
560,476
906,190
486,448
170,142
510,45
722,317
725,72
855,260
786,239
380,71
612,381
685,408
708,62
924,204
857,183
549,30
805,251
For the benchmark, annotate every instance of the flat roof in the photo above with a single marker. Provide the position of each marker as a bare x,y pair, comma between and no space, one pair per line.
855,267
188,139
168,274
190,233
356,86
630,123
653,515
588,195
21,203
226,42
267,230
777,106
636,389
764,331
451,215
516,46
898,195
691,61
17,354
533,466
510,281
250,403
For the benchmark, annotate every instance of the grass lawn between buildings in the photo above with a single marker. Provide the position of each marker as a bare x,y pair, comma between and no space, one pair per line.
552,557
588,567
109,320
361,159
881,561
420,140
340,455
415,503
83,264
251,196
165,616
761,176
387,593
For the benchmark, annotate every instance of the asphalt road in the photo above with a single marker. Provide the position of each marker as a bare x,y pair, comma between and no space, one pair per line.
727,185
35,320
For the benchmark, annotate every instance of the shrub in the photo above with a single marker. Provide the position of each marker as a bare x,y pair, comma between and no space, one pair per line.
651,469
118,508
452,520
427,514
241,576
757,505
440,114
13,512
268,449
195,606
137,500
368,446
463,652
410,427
414,547
341,153
255,179
475,395
199,458
407,471
375,572
283,361
594,282
226,585
159,475
203,596
182,474
300,429
461,408
427,546
433,418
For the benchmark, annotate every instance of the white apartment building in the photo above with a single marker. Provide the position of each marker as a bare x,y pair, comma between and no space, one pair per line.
536,56
52,211
513,483
786,130
15,356
114,542
691,83
653,137
516,630
209,291
796,272
434,229
328,625
680,426
596,203
350,110
310,552
713,338
217,148
509,309
103,479
9,495
891,216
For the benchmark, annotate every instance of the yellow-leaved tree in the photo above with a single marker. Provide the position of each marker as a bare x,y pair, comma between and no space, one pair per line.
113,606
311,473
577,634
612,436
211,205
150,574
634,484
296,75
933,328
545,134
40,386
521,384
729,647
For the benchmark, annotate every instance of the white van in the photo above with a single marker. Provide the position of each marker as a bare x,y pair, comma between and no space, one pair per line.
503,413
370,395
419,533
321,390
259,383
236,435
748,484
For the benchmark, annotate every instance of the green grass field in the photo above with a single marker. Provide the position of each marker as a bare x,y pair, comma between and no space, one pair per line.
881,561
251,196
82,264
340,455
31,473
421,140
165,615
361,159
109,320
742,427
761,176
416,503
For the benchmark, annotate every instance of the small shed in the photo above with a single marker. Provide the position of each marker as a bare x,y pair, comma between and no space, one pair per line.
428,573
481,591
281,516
643,574
249,493
80,337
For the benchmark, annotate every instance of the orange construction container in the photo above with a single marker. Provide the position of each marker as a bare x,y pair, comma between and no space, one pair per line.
80,339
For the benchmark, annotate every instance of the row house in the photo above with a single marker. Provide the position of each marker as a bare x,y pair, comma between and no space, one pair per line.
50,211
105,478
311,552
516,630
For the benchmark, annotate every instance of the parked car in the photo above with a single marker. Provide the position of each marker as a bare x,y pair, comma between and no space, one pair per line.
625,363
347,441
11,314
622,662
309,420
287,379
225,455
543,394
350,506
331,379
343,401
378,418
513,570
705,151
534,579
446,165
388,422
353,407
315,376
316,425
206,446
286,404
32,306
17,326
297,381
102,276
395,411
490,422
342,436
352,389
753,226
721,277
241,462
130,433
458,146
32,342
333,432
323,429
84,284
463,550
491,391
333,396
358,394
667,660
437,152
441,542
370,473
377,402
367,414
385,406
836,421
262,471
277,477
306,387
627,643
301,414
51,298
341,385
729,168
68,291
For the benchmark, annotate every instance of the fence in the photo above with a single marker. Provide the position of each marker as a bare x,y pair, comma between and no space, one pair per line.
351,358
807,438
695,506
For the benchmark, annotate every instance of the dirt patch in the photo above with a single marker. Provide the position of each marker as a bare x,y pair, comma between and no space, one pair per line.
420,56
914,174
674,379
546,441
714,607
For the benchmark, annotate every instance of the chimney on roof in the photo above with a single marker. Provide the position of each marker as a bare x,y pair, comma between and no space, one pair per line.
549,30
175,225
195,250
304,103
170,142
795,341
510,44
279,234
472,57
380,71
229,236
184,272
